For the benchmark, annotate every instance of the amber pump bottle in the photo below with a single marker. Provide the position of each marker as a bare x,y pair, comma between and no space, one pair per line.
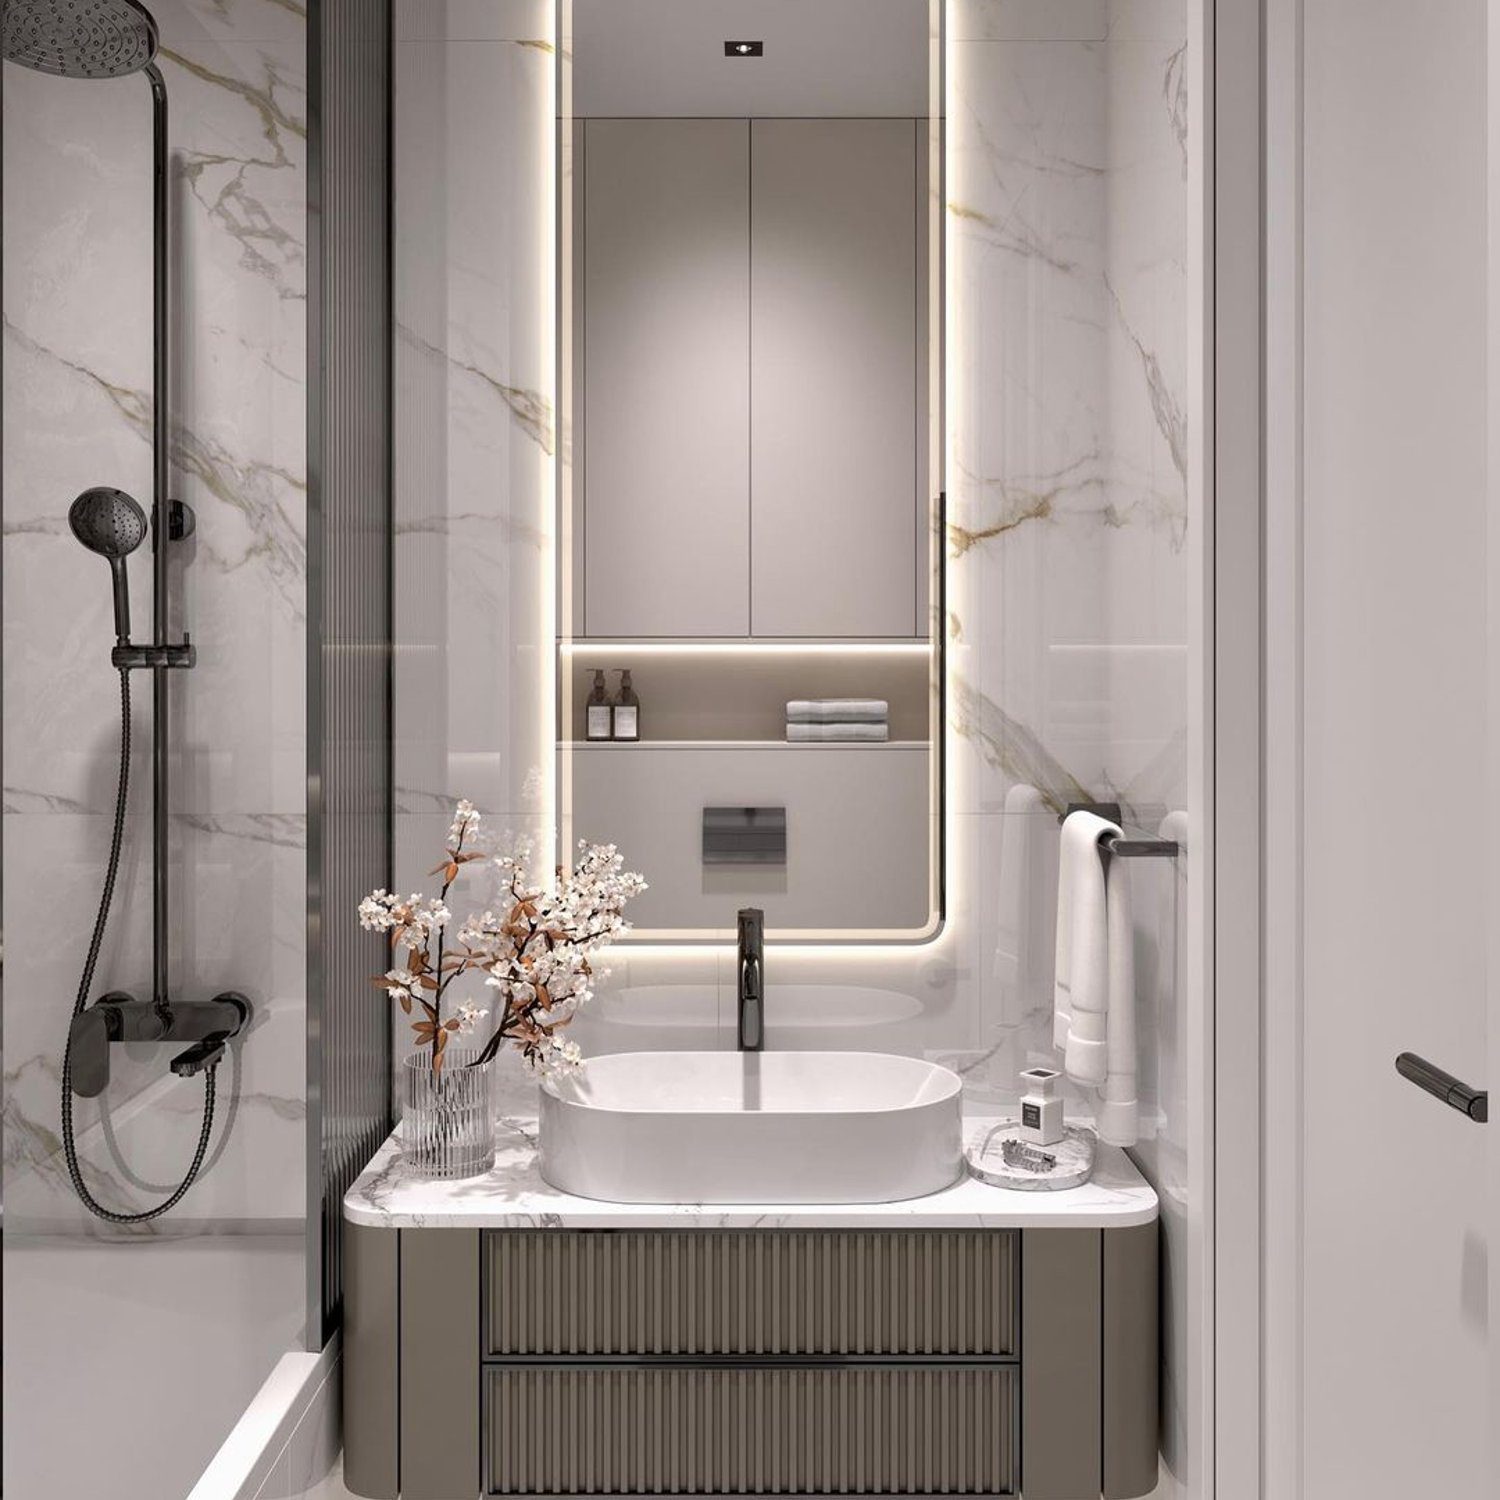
599,711
627,724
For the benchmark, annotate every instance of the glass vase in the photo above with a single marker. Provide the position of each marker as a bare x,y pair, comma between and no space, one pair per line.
447,1117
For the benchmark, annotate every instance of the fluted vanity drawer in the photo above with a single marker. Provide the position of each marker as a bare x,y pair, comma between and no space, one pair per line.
751,1292
820,1431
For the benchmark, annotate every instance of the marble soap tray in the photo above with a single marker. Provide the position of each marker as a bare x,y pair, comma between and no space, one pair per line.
985,1159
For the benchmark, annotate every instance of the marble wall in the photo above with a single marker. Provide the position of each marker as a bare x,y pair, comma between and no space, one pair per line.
1069,193
475,439
475,436
1069,549
77,387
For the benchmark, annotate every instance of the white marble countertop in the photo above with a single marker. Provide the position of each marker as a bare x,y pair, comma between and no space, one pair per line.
513,1196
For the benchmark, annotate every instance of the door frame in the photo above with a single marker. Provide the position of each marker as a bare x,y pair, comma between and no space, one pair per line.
1233,921
1492,487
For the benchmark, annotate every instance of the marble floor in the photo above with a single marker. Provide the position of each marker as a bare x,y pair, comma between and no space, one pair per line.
139,1357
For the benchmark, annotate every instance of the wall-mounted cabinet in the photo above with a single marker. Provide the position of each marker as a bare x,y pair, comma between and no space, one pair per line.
833,377
664,429
750,345
795,1361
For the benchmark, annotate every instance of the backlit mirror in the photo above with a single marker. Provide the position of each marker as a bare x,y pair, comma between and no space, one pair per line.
750,348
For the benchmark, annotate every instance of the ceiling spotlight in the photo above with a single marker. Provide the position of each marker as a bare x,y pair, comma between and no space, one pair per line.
744,49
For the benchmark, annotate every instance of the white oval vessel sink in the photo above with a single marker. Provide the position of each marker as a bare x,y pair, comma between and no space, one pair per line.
752,1127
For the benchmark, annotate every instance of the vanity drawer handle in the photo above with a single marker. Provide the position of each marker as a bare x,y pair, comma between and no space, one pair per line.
1475,1103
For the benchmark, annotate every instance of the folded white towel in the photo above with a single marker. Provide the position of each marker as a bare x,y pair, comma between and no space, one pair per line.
837,710
831,733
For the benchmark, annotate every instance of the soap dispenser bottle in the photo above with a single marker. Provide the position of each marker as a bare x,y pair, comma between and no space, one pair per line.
599,711
627,710
1041,1108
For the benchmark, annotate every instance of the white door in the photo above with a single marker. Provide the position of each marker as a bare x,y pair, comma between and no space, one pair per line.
1389,1351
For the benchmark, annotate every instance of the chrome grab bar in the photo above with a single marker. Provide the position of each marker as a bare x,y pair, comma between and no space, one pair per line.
1475,1103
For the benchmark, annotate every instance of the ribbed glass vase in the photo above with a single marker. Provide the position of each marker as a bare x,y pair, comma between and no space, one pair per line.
447,1117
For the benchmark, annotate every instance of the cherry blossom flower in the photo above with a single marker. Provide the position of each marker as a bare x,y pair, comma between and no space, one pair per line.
534,943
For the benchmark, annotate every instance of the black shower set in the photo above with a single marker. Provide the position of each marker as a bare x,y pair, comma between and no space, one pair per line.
113,39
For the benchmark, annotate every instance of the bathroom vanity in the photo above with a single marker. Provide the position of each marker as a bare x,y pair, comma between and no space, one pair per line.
502,1337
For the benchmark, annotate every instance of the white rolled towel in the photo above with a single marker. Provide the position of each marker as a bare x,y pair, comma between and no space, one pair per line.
1081,971
1094,983
835,733
837,711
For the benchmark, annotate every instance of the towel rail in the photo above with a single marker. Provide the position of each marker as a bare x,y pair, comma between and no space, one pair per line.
1125,846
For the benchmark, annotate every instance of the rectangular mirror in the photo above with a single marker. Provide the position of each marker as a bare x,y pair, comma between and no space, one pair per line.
750,348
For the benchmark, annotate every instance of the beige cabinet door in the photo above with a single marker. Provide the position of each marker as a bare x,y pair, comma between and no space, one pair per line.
833,376
666,376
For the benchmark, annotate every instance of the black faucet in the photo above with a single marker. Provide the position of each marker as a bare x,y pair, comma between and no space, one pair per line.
752,984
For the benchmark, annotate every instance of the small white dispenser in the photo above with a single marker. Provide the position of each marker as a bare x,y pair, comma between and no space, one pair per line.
1041,1109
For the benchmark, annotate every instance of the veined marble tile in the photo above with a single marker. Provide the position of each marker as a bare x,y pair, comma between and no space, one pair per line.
77,353
475,427
234,20
145,1124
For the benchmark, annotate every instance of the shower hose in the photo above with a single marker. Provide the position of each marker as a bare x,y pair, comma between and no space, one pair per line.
70,1149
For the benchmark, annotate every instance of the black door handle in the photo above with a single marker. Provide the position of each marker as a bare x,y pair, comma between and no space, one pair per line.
1475,1103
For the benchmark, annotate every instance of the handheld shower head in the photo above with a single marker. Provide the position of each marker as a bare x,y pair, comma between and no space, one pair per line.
107,521
80,38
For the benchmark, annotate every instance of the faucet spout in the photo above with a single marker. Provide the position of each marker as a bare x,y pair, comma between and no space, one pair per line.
750,988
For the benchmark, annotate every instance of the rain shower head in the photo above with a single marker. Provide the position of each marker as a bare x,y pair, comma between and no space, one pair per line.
80,38
109,522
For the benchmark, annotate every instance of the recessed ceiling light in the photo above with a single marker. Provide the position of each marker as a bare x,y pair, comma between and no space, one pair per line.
744,49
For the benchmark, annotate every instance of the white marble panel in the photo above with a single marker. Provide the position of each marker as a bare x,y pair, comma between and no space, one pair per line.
1027,403
77,356
475,439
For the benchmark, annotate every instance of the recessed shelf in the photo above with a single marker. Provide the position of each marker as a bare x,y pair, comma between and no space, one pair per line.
746,647
747,744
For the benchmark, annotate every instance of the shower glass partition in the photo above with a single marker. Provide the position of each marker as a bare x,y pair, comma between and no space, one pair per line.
199,1304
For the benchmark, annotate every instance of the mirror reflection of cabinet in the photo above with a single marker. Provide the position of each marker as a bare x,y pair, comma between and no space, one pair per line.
664,419
751,378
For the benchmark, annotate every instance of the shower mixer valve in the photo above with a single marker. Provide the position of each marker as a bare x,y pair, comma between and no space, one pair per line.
118,1017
